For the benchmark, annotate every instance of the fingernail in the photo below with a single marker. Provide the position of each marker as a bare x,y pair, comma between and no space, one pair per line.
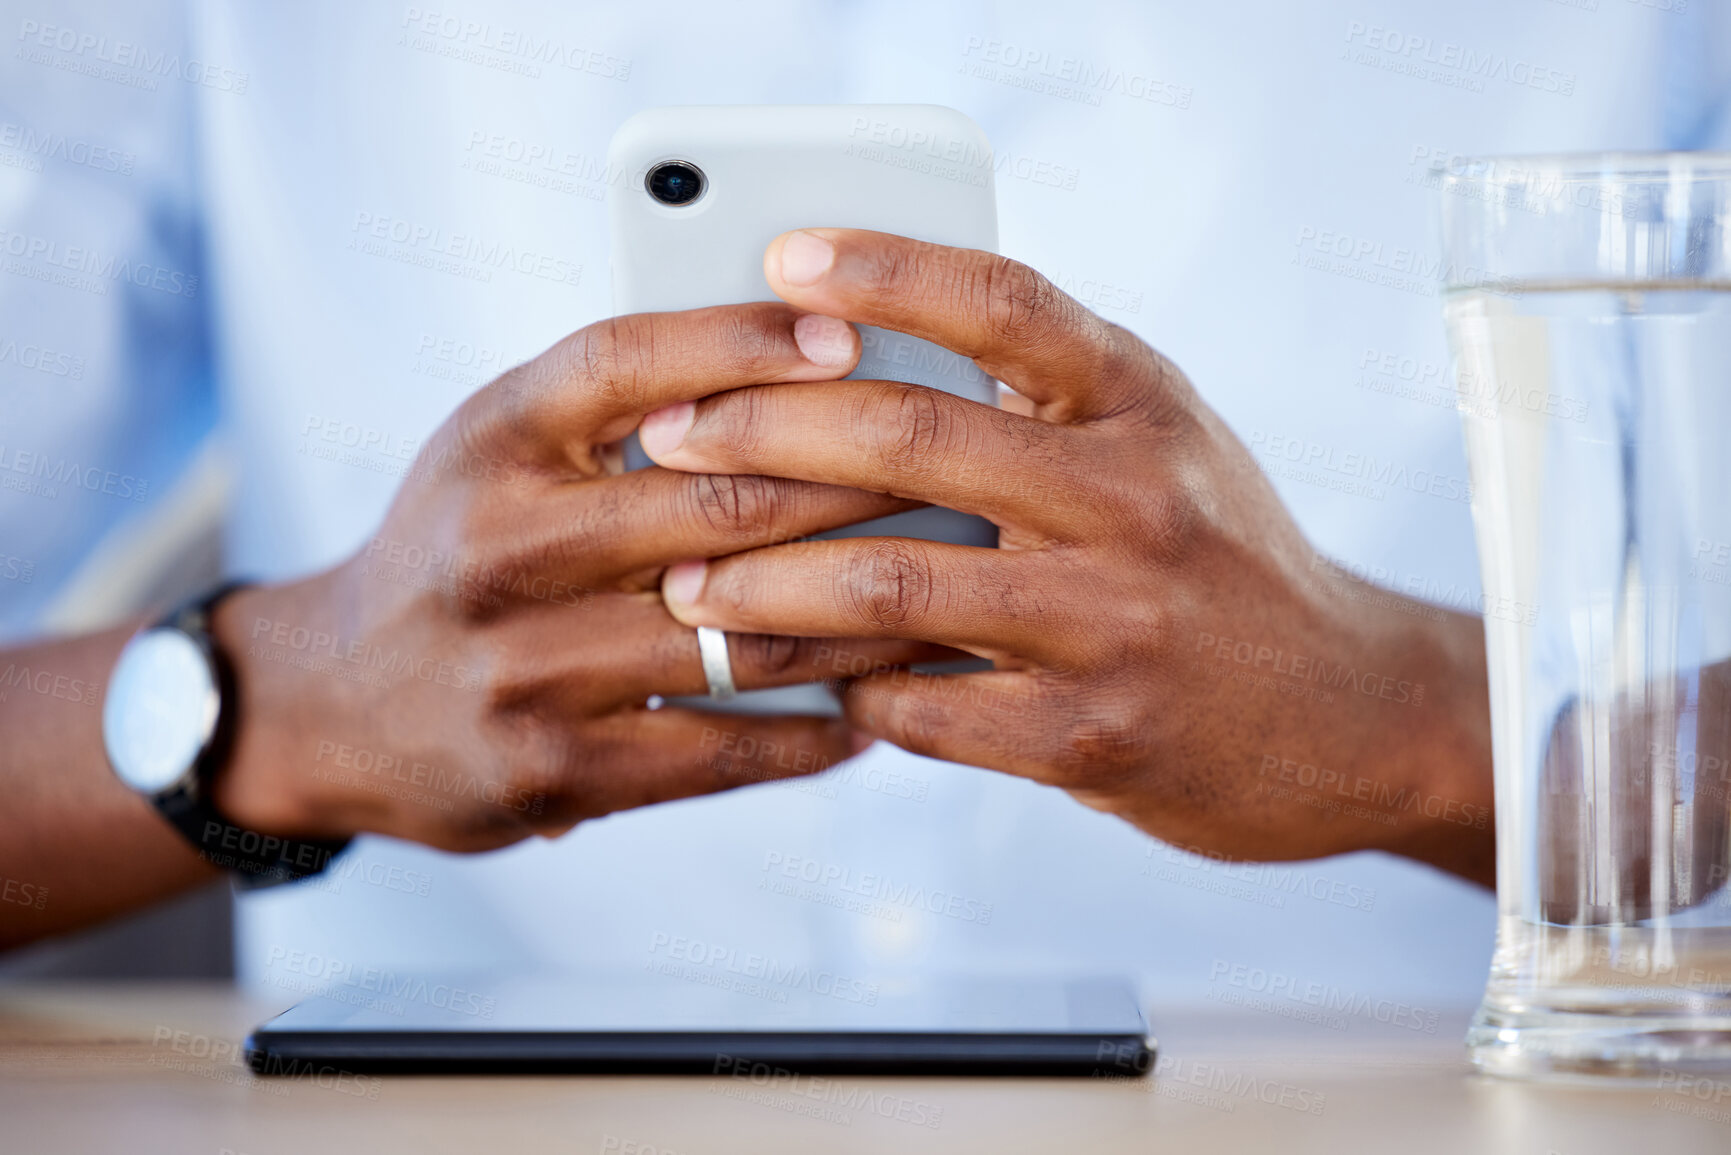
826,341
684,582
861,743
664,430
805,258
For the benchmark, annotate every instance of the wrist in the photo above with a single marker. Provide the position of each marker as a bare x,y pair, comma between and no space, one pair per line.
1458,758
1437,760
268,784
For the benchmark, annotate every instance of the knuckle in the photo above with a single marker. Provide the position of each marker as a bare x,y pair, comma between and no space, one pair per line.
486,419
725,503
889,586
890,273
917,724
1140,380
906,428
919,424
731,588
1017,300
600,532
1052,464
746,343
502,559
478,568
1162,511
608,357
475,599
771,655
1172,519
592,353
1097,744
1125,358
562,772
524,799
734,425
1174,394
494,435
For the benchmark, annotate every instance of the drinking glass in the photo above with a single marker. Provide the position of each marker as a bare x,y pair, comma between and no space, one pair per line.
1588,304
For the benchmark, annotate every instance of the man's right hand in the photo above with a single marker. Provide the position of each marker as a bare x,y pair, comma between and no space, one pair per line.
1166,645
479,670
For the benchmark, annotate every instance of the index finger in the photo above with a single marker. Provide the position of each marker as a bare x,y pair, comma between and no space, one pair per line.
887,437
1014,323
592,387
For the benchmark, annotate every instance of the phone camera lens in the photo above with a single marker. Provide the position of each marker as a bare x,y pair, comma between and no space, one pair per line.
675,183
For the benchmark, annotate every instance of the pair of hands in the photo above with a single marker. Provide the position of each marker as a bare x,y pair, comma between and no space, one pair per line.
1165,644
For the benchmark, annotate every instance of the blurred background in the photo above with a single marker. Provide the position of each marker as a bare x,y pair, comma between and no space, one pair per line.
325,196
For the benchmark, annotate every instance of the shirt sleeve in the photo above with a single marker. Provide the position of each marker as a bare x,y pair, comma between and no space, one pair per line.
105,367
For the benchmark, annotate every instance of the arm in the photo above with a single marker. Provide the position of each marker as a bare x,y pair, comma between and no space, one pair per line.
1166,647
75,845
487,656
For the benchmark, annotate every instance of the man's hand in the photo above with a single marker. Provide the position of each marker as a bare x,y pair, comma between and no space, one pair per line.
1167,646
479,671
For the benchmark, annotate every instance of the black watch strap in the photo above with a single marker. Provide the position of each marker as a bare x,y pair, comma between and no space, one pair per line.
255,859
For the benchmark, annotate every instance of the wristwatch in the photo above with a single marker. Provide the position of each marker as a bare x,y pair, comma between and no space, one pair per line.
168,723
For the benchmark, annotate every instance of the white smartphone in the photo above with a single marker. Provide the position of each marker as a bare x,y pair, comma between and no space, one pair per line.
697,194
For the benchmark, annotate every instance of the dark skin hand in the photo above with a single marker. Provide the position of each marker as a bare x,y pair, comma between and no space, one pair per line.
1165,645
550,600
479,671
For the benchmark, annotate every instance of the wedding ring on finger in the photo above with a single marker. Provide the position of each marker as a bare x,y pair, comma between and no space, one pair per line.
717,665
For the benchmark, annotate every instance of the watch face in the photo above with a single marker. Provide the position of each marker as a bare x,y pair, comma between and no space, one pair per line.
160,711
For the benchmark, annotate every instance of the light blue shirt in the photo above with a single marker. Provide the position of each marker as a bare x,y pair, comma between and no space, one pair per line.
294,216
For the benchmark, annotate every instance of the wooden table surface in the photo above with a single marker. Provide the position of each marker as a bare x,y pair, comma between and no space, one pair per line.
146,1068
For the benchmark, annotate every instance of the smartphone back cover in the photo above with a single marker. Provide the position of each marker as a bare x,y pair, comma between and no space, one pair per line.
919,170
922,171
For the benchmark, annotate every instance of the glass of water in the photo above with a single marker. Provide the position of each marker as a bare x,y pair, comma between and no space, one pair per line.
1588,301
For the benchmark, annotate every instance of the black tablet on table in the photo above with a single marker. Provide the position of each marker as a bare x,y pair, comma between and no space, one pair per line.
693,1019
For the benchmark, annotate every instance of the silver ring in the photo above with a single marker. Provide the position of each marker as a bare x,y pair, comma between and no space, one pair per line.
717,666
